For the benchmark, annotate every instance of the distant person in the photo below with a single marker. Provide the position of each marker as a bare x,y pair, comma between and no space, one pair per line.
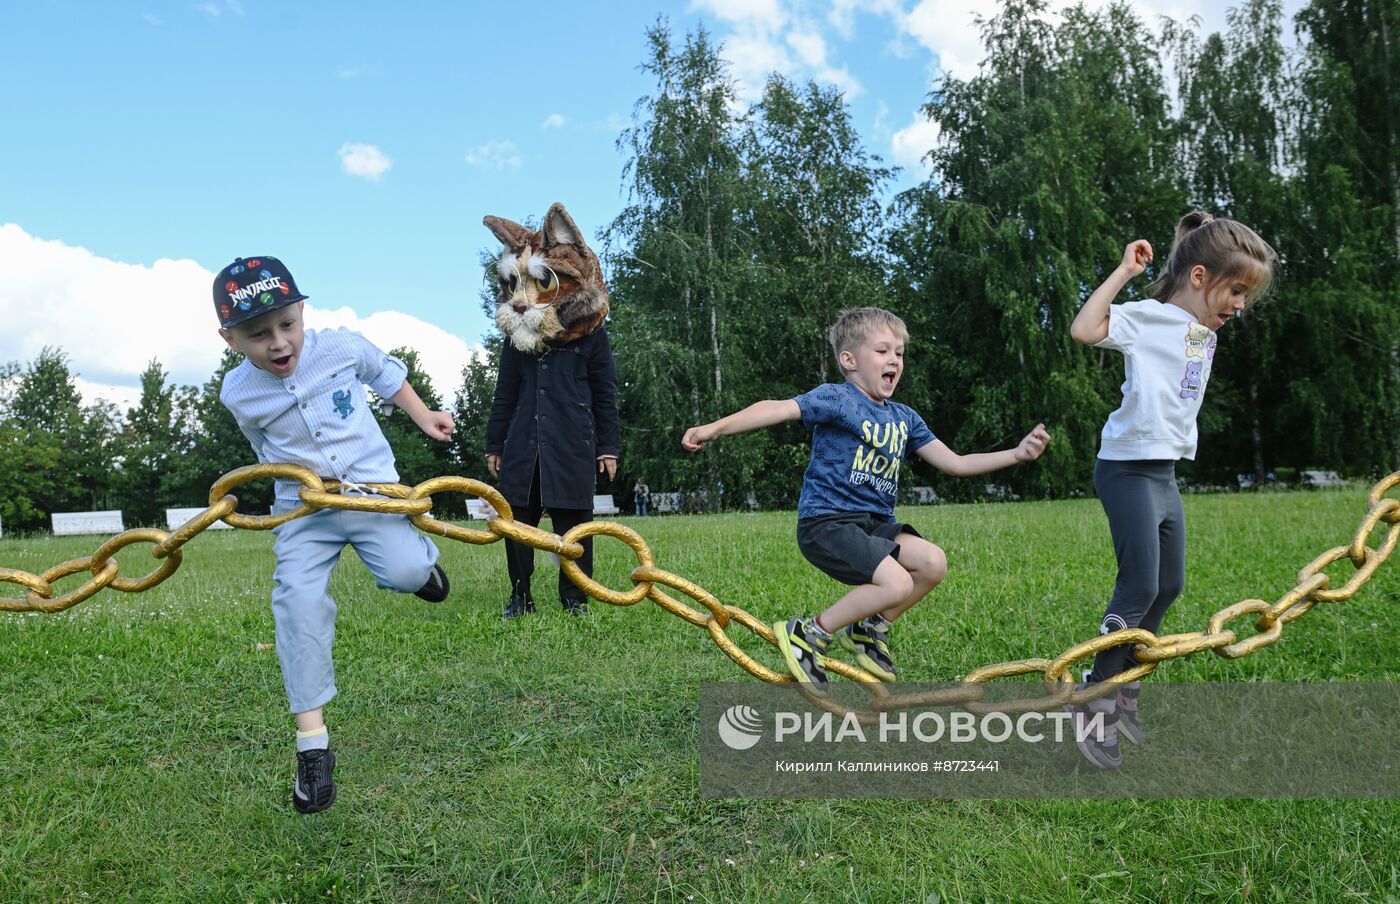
845,516
641,497
299,397
1216,270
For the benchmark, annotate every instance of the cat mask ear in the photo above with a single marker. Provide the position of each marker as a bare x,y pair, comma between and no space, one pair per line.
512,235
560,228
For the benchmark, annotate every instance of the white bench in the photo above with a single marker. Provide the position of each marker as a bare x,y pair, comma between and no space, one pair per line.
1321,479
1000,492
925,495
480,510
176,517
65,523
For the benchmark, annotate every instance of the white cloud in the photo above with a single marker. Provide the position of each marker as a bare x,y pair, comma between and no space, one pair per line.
881,126
152,19
209,9
553,121
767,15
124,397
948,28
441,354
842,14
364,160
495,154
772,36
810,47
98,311
751,58
911,143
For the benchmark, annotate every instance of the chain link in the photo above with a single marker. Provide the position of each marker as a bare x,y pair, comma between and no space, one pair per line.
1149,650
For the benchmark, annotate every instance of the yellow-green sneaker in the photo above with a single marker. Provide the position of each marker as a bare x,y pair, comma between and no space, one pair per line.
870,646
802,645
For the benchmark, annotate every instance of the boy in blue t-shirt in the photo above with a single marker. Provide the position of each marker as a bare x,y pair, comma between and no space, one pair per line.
845,517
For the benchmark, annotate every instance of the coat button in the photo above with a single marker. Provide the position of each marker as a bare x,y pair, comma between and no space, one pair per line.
303,404
332,458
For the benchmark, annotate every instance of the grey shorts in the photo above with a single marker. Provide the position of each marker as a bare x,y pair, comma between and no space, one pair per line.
850,546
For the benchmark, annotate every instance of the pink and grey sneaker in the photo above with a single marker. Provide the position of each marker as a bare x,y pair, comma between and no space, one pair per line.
1095,727
1129,725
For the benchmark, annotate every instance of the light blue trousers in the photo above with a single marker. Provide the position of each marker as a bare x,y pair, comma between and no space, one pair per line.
307,550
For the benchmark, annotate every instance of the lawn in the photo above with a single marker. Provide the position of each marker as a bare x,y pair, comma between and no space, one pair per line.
147,754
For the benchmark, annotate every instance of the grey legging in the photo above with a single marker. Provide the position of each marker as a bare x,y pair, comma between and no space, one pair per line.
1149,540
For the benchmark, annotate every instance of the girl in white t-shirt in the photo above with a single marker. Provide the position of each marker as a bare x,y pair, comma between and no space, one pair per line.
1216,269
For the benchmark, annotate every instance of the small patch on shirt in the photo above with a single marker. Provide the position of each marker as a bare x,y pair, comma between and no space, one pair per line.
341,398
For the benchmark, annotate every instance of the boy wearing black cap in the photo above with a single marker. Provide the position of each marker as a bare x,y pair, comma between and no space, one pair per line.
299,397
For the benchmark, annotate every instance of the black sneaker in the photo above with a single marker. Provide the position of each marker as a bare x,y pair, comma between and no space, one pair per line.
575,606
803,646
314,790
520,604
1098,742
1129,725
435,590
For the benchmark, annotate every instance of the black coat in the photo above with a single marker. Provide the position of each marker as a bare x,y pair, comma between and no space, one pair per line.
560,408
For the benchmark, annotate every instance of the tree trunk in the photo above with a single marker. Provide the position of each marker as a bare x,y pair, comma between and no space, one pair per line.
1256,432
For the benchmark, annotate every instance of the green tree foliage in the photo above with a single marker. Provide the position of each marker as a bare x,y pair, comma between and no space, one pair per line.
1344,245
471,410
687,258
42,443
1050,160
747,233
417,456
748,229
817,245
217,447
151,441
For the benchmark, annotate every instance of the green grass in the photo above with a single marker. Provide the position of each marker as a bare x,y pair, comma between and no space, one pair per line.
146,750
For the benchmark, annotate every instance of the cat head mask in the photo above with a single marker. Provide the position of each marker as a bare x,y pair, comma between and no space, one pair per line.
550,284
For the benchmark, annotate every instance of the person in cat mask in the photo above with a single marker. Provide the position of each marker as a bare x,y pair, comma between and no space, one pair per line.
554,419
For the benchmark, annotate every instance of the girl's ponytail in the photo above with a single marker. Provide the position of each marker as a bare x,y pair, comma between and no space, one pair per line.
1193,220
1226,248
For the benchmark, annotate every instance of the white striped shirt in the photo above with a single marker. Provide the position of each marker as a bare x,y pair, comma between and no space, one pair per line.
319,417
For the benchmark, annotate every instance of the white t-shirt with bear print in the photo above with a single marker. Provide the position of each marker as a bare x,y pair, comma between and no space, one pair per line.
1167,358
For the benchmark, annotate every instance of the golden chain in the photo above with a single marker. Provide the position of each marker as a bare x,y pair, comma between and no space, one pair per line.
1150,651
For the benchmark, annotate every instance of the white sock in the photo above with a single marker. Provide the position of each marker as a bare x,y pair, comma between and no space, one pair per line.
315,739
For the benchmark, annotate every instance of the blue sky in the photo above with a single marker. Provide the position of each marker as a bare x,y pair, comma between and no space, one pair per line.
150,143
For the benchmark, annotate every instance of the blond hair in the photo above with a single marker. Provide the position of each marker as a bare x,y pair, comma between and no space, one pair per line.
856,324
1228,250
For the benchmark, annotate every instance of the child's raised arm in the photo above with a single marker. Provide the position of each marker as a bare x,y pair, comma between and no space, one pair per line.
757,415
1091,323
437,424
950,462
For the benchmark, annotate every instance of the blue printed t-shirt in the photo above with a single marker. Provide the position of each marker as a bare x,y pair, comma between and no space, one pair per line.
858,445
